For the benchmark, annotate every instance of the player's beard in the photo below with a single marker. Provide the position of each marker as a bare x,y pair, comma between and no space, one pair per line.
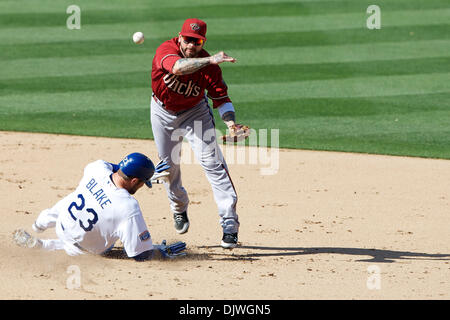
189,54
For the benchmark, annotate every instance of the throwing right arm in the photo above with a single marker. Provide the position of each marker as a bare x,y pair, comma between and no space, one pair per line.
190,65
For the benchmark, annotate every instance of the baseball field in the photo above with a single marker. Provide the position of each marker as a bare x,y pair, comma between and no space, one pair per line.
351,202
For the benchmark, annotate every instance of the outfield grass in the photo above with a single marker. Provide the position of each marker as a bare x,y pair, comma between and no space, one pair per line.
308,68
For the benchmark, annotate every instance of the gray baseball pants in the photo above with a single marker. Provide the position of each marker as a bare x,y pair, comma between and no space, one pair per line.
197,126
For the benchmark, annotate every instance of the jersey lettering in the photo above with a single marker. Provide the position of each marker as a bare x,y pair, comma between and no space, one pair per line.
78,207
98,213
99,194
86,225
186,89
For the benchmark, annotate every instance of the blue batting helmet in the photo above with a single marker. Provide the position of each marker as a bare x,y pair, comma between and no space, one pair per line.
137,165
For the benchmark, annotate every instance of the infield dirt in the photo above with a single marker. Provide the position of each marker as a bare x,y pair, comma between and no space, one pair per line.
326,225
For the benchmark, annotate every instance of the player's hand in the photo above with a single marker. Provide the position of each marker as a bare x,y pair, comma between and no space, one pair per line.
221,57
171,251
231,125
161,174
162,166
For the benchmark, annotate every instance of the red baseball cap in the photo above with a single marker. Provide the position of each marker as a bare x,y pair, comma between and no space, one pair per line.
195,28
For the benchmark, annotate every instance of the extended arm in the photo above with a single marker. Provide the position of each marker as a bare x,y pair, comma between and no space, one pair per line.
191,65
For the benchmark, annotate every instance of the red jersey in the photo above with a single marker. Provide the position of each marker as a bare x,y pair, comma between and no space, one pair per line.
180,93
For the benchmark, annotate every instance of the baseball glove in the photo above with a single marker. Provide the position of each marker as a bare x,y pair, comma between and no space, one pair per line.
238,132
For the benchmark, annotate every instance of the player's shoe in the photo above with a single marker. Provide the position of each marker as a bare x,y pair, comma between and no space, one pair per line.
229,240
36,228
24,239
181,222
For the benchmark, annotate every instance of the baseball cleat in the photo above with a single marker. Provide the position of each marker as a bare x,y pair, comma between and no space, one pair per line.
36,228
24,239
181,222
229,240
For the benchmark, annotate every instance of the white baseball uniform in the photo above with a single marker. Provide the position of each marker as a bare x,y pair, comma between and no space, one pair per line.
96,215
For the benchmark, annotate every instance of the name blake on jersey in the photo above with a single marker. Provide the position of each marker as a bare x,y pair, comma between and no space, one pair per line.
99,194
187,89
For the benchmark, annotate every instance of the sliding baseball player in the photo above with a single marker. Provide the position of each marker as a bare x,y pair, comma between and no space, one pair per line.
101,211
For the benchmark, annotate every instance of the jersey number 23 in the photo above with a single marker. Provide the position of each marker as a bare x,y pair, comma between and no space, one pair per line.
89,223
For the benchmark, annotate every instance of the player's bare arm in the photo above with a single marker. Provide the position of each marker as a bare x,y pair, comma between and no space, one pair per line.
190,65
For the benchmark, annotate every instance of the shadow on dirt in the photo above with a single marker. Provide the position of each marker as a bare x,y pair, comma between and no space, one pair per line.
376,255
259,252
119,253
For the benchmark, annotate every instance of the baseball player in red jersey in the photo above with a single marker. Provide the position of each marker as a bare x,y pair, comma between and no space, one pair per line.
181,73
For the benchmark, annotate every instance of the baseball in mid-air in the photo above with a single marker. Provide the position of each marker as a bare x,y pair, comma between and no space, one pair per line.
138,37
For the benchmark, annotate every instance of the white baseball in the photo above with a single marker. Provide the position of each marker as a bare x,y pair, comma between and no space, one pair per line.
138,37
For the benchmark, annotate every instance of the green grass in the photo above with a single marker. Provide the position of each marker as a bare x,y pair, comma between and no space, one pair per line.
152,12
310,69
231,42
